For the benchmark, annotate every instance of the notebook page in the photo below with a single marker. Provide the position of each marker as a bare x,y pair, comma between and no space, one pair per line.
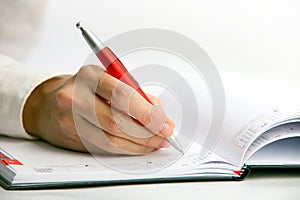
284,152
290,130
51,164
253,107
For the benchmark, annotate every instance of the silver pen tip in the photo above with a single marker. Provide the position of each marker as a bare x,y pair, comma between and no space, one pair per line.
181,151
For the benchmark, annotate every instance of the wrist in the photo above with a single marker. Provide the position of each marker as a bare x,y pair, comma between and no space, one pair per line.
35,103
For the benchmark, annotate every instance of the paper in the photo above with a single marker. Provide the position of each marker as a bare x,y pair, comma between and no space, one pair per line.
51,164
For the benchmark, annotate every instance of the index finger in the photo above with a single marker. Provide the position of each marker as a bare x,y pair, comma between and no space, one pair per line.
126,99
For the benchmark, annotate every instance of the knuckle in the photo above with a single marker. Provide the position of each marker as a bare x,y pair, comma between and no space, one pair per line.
64,99
146,150
153,141
115,141
145,118
90,74
109,123
87,70
148,141
121,95
139,109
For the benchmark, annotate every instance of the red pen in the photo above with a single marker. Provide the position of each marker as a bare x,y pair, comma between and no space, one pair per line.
115,68
110,61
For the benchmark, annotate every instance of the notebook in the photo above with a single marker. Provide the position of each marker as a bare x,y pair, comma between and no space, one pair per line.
254,135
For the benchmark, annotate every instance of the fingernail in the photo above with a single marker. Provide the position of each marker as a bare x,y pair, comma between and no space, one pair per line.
167,130
164,144
171,123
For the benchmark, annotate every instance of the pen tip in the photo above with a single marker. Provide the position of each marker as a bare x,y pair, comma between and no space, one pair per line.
181,151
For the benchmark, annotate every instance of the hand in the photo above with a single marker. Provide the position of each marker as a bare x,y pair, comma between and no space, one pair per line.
92,111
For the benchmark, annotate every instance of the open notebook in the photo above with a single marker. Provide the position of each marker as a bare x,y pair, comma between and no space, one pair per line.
255,136
26,164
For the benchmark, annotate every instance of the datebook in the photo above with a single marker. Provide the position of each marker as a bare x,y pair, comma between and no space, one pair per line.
254,134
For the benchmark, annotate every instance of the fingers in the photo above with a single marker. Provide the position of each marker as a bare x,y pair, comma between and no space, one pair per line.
114,120
98,140
121,125
126,99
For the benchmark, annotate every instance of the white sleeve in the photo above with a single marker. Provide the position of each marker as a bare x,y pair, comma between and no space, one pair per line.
16,84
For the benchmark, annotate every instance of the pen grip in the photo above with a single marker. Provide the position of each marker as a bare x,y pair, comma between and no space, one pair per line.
115,68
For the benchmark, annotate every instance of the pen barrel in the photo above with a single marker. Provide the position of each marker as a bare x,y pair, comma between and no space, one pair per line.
115,68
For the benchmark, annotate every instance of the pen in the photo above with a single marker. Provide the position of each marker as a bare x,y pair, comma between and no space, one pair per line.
115,68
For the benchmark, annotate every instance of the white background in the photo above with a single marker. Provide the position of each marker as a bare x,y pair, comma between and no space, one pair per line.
257,37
